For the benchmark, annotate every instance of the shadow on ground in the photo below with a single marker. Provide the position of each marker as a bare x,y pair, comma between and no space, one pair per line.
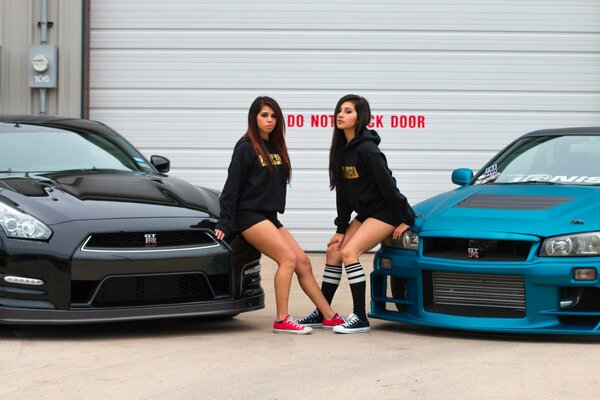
131,329
495,336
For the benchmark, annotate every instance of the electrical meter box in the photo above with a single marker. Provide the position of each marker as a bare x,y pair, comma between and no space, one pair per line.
43,66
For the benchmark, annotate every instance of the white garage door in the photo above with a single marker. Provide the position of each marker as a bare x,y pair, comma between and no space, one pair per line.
450,82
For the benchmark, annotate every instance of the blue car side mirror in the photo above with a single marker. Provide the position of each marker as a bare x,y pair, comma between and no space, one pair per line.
462,176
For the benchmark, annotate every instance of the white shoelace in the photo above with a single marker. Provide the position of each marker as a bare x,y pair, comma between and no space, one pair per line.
295,323
352,318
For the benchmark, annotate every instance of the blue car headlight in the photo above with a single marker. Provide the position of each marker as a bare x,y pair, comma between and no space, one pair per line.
408,241
17,224
576,245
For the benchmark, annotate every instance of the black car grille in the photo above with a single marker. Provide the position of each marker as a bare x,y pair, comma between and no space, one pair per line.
146,240
586,307
476,249
475,295
146,290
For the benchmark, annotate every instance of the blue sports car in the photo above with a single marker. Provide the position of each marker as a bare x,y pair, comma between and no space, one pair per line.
516,248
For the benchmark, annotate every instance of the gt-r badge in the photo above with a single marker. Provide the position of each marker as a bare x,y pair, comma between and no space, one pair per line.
150,239
473,252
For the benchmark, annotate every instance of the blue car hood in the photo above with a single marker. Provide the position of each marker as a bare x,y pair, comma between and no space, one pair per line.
535,210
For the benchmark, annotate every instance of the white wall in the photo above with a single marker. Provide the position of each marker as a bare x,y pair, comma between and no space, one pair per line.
177,79
18,31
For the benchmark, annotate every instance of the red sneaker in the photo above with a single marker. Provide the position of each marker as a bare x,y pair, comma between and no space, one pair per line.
335,321
290,325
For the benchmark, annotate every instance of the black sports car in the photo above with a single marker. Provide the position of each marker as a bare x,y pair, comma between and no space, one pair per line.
90,231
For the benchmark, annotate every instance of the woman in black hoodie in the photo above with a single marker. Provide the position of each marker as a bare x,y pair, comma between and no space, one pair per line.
253,194
364,184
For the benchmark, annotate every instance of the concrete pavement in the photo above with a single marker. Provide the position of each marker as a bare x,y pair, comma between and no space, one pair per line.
241,358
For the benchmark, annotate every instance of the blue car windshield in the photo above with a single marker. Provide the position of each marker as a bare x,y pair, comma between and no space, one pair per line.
53,150
567,160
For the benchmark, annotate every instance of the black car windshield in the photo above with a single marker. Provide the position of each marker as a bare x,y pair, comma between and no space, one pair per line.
53,150
567,160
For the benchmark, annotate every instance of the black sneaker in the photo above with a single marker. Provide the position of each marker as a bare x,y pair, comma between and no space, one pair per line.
354,324
314,319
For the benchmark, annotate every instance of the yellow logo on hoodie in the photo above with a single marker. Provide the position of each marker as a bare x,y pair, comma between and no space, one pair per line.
350,173
275,160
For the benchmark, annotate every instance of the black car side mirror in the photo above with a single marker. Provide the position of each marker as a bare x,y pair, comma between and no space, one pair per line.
162,164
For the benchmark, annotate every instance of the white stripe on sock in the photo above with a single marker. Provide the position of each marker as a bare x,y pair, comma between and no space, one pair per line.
356,274
357,279
354,268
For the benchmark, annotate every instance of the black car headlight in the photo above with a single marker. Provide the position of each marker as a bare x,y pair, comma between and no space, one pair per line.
408,241
17,224
576,245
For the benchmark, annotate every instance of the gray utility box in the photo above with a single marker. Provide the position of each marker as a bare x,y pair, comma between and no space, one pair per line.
43,66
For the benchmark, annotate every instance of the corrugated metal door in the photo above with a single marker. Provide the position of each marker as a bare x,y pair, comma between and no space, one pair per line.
450,82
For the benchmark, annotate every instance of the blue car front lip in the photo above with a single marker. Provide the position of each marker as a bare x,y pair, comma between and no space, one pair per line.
543,279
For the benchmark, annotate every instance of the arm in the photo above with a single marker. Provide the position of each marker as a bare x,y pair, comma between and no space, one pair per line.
337,239
343,211
236,177
376,164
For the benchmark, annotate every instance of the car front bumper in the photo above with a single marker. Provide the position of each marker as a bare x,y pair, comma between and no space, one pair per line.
20,315
545,284
77,285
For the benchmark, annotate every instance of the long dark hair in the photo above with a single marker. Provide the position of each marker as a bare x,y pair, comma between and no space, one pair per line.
338,142
277,137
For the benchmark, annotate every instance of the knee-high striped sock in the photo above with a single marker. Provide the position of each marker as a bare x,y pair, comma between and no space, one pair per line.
358,287
331,280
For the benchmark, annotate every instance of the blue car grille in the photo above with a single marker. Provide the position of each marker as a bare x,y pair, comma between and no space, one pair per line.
476,249
478,295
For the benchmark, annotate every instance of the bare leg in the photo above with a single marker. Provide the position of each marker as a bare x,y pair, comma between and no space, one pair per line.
267,239
334,254
305,275
370,233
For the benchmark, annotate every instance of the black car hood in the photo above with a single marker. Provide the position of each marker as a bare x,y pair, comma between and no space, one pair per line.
61,197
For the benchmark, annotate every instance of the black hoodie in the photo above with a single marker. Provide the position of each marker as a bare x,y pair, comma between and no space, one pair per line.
367,185
251,185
